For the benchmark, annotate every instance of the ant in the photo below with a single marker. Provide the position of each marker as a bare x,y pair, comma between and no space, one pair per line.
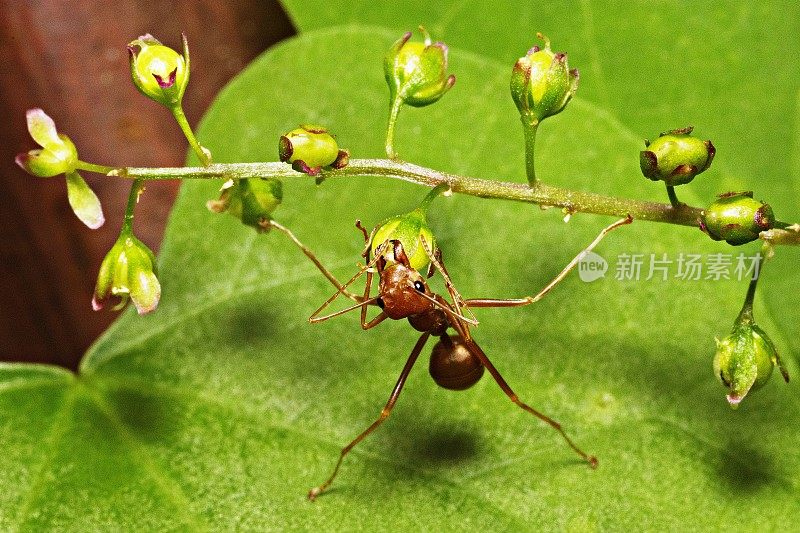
457,361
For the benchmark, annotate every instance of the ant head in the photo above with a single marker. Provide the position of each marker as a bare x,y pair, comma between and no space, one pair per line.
403,290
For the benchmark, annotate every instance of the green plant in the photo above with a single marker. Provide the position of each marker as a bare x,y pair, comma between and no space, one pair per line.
627,390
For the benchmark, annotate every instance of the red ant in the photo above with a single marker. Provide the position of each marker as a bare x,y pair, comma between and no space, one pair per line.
457,362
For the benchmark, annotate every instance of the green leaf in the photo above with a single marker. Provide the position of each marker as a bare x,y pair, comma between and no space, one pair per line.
221,409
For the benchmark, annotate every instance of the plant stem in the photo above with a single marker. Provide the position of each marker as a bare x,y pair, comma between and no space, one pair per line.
395,110
530,126
543,194
436,191
91,167
746,314
673,198
180,117
133,199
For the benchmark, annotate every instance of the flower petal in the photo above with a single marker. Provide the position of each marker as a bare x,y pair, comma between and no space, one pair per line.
42,128
145,291
84,201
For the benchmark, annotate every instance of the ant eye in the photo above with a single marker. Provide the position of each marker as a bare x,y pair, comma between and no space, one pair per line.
419,286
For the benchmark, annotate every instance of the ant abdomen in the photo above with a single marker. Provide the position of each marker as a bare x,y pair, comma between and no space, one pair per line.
452,365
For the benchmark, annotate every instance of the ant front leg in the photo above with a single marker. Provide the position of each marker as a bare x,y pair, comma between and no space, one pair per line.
378,319
438,264
519,302
385,412
308,253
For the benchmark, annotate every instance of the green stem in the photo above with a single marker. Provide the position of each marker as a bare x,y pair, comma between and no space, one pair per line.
543,194
746,314
133,199
673,198
530,126
91,167
395,110
180,117
436,191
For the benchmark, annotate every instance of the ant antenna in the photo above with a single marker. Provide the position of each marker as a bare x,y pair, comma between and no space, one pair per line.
368,236
449,311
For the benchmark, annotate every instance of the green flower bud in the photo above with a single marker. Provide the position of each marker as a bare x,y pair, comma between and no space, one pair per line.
128,272
58,155
737,218
744,360
542,83
159,72
416,72
250,200
311,148
676,157
406,228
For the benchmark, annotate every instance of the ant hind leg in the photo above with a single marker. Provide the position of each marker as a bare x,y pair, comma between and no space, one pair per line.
385,412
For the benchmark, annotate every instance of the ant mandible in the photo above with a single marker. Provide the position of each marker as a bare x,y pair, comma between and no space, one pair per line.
457,361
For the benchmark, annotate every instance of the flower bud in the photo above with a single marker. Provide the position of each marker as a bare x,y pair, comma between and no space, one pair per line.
158,71
416,72
128,272
737,218
58,155
744,360
542,83
406,228
250,200
676,157
310,148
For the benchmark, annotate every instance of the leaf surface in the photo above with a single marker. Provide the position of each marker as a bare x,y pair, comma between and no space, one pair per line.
222,409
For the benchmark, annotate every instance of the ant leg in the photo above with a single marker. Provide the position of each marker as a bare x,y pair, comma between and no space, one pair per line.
325,272
479,353
518,302
313,318
436,261
385,412
380,317
367,288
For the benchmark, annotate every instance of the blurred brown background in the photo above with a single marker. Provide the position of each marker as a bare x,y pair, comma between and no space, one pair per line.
68,57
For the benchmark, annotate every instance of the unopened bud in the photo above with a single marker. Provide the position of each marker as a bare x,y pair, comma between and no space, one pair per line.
408,228
744,361
128,272
417,72
542,83
158,71
737,218
311,148
251,200
676,157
